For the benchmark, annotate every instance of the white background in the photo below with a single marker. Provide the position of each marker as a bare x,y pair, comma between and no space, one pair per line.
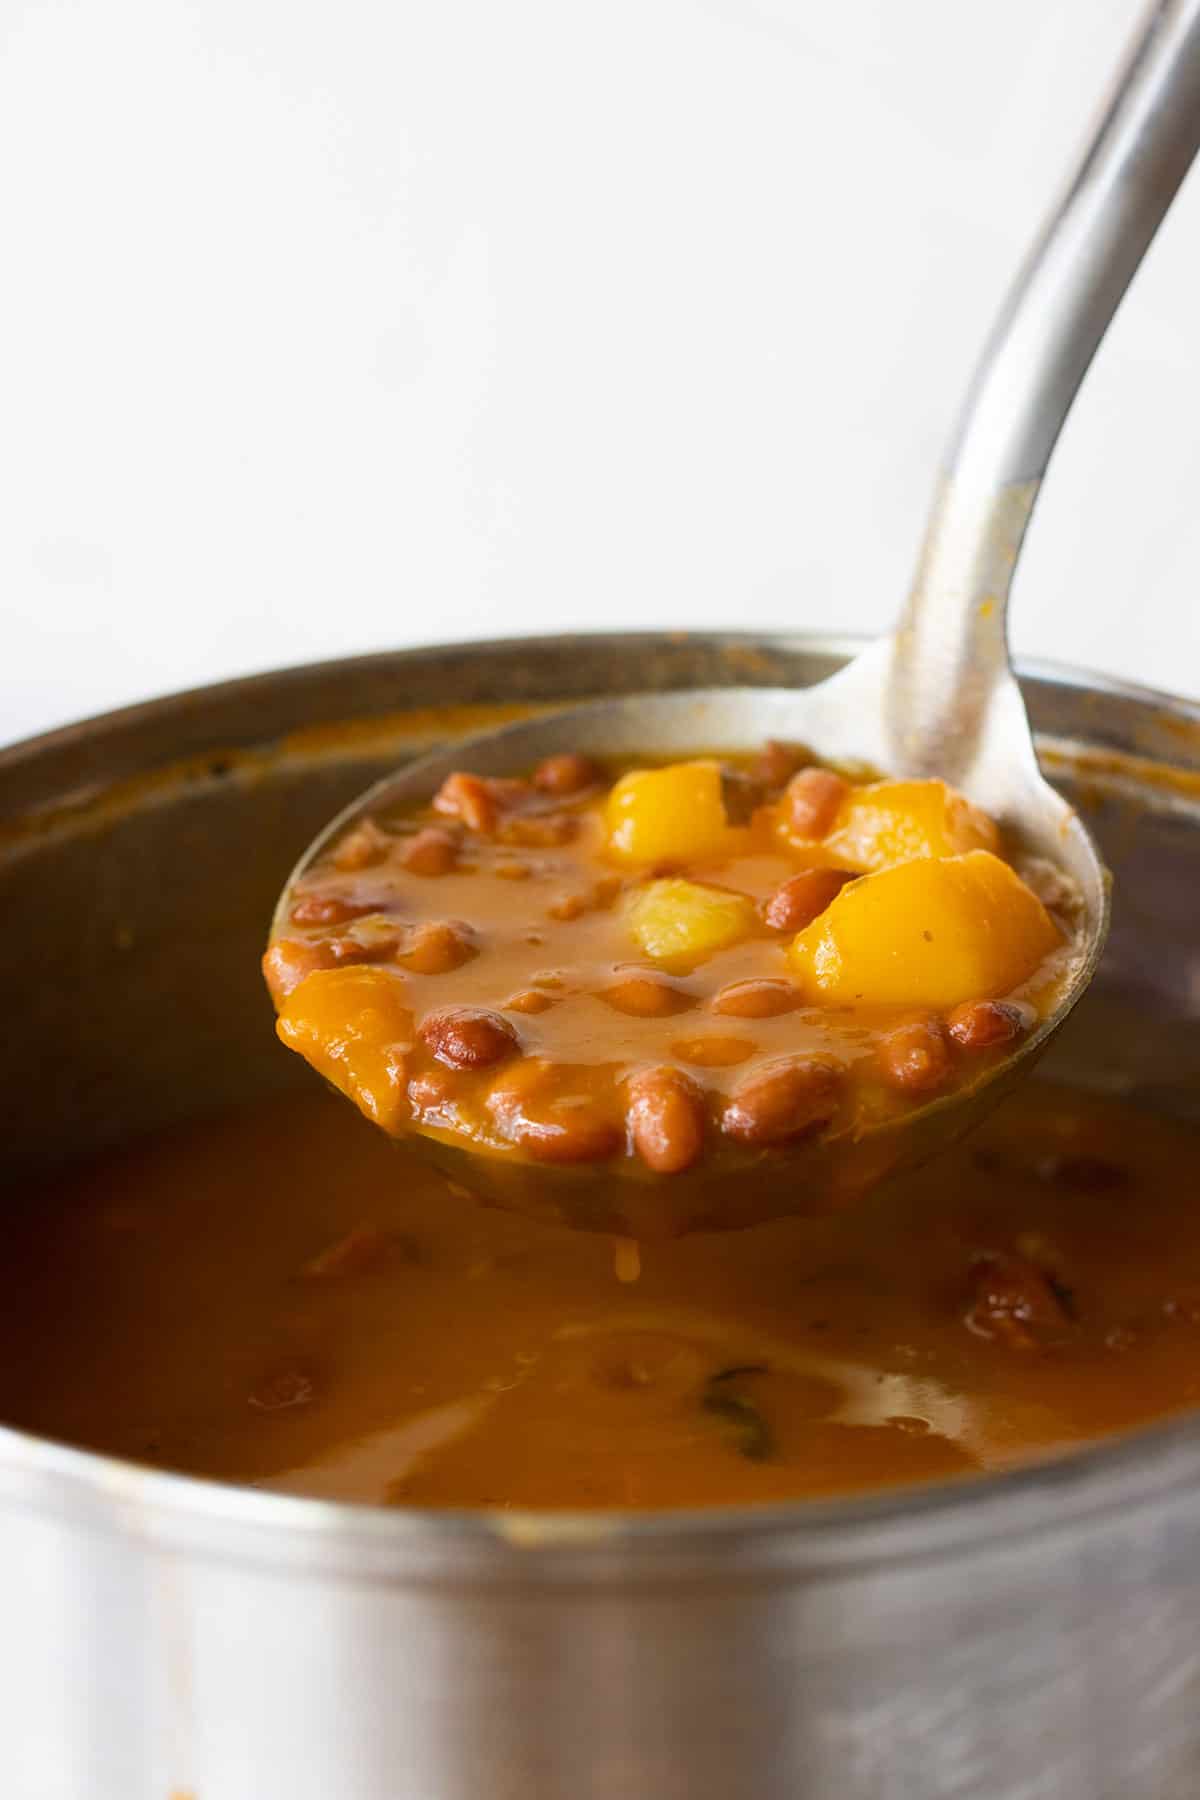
328,327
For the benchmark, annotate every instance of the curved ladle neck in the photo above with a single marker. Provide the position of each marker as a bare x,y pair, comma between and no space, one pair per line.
949,653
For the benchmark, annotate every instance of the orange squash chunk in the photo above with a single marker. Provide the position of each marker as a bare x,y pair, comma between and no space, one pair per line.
676,814
888,822
353,1026
930,933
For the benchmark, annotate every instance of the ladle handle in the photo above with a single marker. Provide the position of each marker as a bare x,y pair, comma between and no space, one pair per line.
950,653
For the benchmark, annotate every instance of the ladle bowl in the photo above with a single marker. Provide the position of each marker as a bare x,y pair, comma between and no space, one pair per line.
814,1176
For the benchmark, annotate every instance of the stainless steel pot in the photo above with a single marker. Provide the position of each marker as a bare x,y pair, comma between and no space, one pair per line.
1031,1637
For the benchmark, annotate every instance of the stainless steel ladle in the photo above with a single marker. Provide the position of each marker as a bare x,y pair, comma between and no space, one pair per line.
936,697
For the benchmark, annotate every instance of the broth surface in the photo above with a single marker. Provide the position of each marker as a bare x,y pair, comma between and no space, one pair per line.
286,1298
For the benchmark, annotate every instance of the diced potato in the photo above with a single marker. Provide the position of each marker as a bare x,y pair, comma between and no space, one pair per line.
676,814
929,933
889,822
679,922
353,1026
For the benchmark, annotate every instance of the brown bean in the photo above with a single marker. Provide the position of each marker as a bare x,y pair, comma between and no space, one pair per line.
915,1057
645,997
549,1125
358,1252
567,773
329,909
291,961
666,1119
520,1084
529,1000
803,897
362,845
714,1052
741,795
782,1100
981,1024
1084,1174
436,946
1016,1303
432,851
764,998
568,906
777,762
430,1093
539,831
512,870
377,948
811,801
469,798
572,1129
468,1037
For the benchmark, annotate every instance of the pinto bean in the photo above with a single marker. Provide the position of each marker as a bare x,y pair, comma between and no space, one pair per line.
431,1092
538,831
1084,1174
469,798
550,1125
782,1100
568,773
436,946
432,851
981,1024
777,762
645,997
529,1000
606,891
1015,1302
572,1129
329,909
363,845
761,999
741,796
666,1119
803,897
375,945
468,1037
358,1252
568,906
915,1057
811,800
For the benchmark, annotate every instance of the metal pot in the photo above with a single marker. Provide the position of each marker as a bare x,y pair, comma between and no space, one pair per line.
1035,1635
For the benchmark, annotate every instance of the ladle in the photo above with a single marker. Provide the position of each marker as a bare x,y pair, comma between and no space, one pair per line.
936,697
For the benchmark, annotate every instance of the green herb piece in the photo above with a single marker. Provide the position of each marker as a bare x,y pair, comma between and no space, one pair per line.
747,1427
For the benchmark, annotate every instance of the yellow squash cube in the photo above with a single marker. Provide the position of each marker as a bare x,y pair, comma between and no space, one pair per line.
929,933
678,923
353,1026
676,814
888,822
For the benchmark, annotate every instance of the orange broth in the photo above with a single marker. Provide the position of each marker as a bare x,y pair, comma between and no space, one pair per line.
287,1299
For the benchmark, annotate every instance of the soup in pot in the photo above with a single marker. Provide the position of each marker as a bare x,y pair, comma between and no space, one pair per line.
286,1298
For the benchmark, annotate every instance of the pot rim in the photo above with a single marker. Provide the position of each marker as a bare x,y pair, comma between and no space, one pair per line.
843,645
953,1517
